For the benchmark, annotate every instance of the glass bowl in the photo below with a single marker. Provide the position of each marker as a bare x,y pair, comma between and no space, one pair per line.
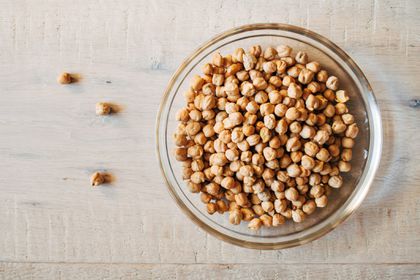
366,153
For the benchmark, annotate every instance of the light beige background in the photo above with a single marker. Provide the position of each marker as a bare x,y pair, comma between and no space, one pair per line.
53,225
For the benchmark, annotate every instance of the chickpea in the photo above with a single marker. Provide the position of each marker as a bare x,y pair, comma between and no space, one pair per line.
338,127
235,216
65,78
255,224
341,96
266,220
182,115
352,131
207,69
280,205
228,182
180,140
181,154
249,61
247,214
284,51
275,142
294,71
287,213
291,194
296,156
322,76
344,166
260,83
298,216
247,89
306,76
334,150
266,109
335,182
197,83
267,206
246,156
255,50
311,149
294,91
197,177
301,57
308,162
275,80
321,201
314,66
243,146
346,155
321,137
270,121
265,134
323,155
288,80
281,66
194,188
208,115
197,165
347,142
332,83
269,154
270,53
230,89
292,114
269,67
238,55
295,127
341,108
307,132
242,75
211,208
232,154
275,97
218,159
293,144
312,103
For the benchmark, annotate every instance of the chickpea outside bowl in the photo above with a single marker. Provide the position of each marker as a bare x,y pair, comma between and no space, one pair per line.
341,73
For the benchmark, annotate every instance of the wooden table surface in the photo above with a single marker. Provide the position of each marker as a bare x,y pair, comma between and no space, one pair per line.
53,225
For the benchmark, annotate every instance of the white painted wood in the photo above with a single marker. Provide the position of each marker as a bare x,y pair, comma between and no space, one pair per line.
207,271
51,140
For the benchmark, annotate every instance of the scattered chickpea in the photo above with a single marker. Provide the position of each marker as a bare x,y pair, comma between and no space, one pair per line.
97,179
103,108
65,78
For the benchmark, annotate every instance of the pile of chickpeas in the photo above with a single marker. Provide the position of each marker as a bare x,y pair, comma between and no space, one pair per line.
264,136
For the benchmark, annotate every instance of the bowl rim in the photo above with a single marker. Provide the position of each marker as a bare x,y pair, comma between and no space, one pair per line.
375,139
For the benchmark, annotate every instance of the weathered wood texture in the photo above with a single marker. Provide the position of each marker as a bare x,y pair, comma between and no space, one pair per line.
207,271
51,140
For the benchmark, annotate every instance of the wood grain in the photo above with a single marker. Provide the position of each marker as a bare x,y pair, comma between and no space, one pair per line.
125,51
207,271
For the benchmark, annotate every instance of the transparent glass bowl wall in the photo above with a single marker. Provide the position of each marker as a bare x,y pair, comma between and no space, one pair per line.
366,153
